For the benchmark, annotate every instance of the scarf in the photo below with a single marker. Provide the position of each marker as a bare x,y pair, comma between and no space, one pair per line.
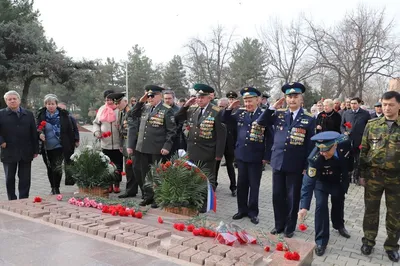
54,121
107,114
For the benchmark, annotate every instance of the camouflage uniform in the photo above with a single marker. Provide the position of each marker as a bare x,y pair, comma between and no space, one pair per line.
380,166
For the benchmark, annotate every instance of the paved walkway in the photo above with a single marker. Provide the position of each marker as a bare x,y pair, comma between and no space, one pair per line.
25,242
340,251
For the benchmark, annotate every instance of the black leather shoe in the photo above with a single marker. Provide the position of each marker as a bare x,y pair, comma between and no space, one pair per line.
275,232
52,192
289,235
393,255
154,205
57,190
239,216
366,250
254,220
126,195
320,250
146,202
343,232
234,193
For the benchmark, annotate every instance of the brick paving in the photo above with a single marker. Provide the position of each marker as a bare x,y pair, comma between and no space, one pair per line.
340,251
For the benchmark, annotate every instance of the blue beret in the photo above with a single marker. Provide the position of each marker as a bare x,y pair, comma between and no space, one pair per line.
203,89
325,140
151,89
249,92
293,88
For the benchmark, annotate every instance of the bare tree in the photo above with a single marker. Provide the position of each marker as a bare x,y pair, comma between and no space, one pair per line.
208,61
289,51
356,49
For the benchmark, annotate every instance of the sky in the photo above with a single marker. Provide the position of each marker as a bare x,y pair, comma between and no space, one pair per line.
97,29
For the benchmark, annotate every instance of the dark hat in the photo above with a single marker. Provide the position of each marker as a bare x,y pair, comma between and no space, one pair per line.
116,96
107,92
325,140
203,89
293,88
153,89
265,95
231,94
378,104
249,92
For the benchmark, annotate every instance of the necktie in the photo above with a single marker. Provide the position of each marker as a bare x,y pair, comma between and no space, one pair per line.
200,114
291,117
152,109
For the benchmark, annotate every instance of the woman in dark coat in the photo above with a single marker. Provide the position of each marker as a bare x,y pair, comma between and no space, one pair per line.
329,119
58,139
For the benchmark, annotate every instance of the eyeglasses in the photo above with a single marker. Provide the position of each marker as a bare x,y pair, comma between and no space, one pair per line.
151,96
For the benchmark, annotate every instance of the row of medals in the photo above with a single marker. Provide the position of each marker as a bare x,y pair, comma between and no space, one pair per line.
157,120
206,128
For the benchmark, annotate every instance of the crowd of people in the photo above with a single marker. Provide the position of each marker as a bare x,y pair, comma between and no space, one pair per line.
311,153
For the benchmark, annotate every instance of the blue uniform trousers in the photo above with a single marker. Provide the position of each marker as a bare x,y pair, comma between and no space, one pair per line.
286,187
322,214
249,178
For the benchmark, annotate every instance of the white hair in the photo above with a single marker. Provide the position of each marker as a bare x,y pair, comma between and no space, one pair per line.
50,98
11,93
223,100
329,102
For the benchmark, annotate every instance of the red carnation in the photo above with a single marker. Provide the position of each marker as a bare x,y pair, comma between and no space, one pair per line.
160,220
267,248
295,256
139,215
104,135
37,199
195,232
190,228
279,246
123,173
40,128
129,162
288,255
302,227
108,133
347,125
43,123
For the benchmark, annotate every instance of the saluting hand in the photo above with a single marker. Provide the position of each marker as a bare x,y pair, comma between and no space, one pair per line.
279,103
144,98
190,102
235,104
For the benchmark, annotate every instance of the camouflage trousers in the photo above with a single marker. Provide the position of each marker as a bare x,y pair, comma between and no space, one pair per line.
377,182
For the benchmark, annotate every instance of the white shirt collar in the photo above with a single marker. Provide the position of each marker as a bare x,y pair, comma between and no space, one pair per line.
204,108
294,113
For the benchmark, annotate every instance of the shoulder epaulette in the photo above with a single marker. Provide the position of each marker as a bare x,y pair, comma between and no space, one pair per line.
307,113
216,108
166,106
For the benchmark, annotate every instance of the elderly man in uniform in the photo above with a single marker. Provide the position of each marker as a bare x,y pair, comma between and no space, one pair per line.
207,135
378,111
251,152
294,128
156,134
379,171
327,174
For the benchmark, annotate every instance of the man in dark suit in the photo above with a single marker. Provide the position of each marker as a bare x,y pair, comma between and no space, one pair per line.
207,135
251,151
327,174
19,144
169,99
294,128
157,131
353,125
378,111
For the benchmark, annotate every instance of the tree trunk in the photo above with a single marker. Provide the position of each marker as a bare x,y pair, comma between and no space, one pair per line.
3,90
25,91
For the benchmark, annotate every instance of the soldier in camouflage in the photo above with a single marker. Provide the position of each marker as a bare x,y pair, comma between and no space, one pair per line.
380,172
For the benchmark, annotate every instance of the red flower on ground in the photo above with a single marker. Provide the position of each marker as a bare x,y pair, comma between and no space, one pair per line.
37,199
190,228
302,227
195,232
129,162
295,256
267,248
160,220
279,246
288,255
139,215
347,125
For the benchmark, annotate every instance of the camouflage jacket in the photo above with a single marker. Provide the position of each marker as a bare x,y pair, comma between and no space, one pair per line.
380,147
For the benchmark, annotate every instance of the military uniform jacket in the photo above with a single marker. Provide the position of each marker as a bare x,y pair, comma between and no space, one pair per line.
292,143
206,136
157,128
253,140
133,130
330,176
380,147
